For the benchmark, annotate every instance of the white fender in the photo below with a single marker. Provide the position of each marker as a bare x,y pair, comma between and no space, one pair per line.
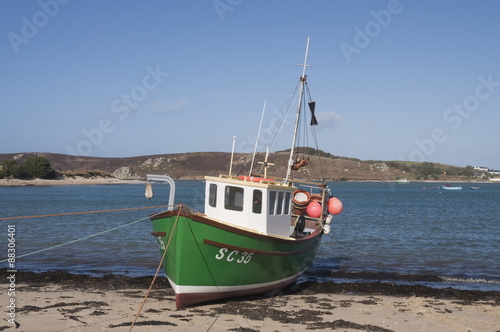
326,229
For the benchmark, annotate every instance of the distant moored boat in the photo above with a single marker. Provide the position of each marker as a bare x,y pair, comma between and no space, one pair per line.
449,187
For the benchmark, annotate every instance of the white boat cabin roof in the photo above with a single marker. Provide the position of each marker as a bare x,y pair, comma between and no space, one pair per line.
263,205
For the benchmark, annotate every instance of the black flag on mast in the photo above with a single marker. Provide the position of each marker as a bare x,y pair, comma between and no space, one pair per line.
312,105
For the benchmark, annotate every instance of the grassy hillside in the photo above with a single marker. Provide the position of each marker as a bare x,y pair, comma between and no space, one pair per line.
198,164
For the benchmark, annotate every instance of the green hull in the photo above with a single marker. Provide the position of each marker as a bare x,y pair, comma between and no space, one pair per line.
207,260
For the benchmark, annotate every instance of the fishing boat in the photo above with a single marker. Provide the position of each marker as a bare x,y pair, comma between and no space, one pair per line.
449,187
257,233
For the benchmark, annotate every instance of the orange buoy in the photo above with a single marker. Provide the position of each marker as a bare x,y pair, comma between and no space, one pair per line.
254,179
335,205
314,209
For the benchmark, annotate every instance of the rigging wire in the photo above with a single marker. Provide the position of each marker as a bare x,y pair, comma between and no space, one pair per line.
314,136
84,212
82,238
281,119
277,124
346,245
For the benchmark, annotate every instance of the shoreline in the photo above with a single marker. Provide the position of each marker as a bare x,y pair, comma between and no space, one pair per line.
79,180
63,301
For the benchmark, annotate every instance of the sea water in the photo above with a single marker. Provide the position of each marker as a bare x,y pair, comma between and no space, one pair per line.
386,232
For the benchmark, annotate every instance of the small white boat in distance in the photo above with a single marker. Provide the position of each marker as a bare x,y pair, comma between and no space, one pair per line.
449,187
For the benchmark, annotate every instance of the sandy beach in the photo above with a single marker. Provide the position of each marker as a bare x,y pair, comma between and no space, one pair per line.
56,301
77,180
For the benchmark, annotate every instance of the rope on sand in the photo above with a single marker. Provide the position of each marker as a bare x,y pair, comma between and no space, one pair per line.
157,270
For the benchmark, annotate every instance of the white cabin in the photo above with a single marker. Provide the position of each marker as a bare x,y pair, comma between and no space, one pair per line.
264,206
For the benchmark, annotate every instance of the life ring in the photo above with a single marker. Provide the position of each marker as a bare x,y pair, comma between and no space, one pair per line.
254,179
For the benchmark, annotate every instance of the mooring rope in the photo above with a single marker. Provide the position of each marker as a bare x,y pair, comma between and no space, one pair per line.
84,212
157,270
84,238
344,244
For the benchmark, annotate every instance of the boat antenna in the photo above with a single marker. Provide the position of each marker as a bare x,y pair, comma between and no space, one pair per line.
299,105
232,156
257,140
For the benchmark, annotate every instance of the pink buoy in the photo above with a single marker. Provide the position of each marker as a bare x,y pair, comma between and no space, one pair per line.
335,205
314,209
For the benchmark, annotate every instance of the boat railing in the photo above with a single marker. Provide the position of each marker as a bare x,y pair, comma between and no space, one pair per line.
255,179
170,181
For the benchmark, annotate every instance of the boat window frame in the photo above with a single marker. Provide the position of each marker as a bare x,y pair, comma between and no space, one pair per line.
212,195
288,197
231,200
279,205
257,201
272,202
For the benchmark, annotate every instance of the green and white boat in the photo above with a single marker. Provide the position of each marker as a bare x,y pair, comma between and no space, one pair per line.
256,234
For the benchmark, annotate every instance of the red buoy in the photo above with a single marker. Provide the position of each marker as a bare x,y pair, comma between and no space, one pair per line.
314,209
335,205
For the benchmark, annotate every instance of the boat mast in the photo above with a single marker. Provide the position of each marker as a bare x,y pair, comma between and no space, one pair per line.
257,140
232,157
301,93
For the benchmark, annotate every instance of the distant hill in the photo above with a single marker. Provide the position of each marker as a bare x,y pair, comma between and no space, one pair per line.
196,165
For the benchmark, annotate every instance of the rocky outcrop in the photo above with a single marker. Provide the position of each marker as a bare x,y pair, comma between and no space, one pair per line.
125,173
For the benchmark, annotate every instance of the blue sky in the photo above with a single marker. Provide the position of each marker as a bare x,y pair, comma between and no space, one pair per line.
393,80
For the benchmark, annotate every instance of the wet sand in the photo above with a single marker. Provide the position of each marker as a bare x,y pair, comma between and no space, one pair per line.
58,301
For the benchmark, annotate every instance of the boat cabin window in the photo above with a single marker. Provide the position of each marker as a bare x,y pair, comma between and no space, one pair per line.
233,198
279,210
287,203
279,202
212,196
272,202
257,201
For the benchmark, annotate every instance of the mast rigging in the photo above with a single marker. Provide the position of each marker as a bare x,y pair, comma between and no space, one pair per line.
303,79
